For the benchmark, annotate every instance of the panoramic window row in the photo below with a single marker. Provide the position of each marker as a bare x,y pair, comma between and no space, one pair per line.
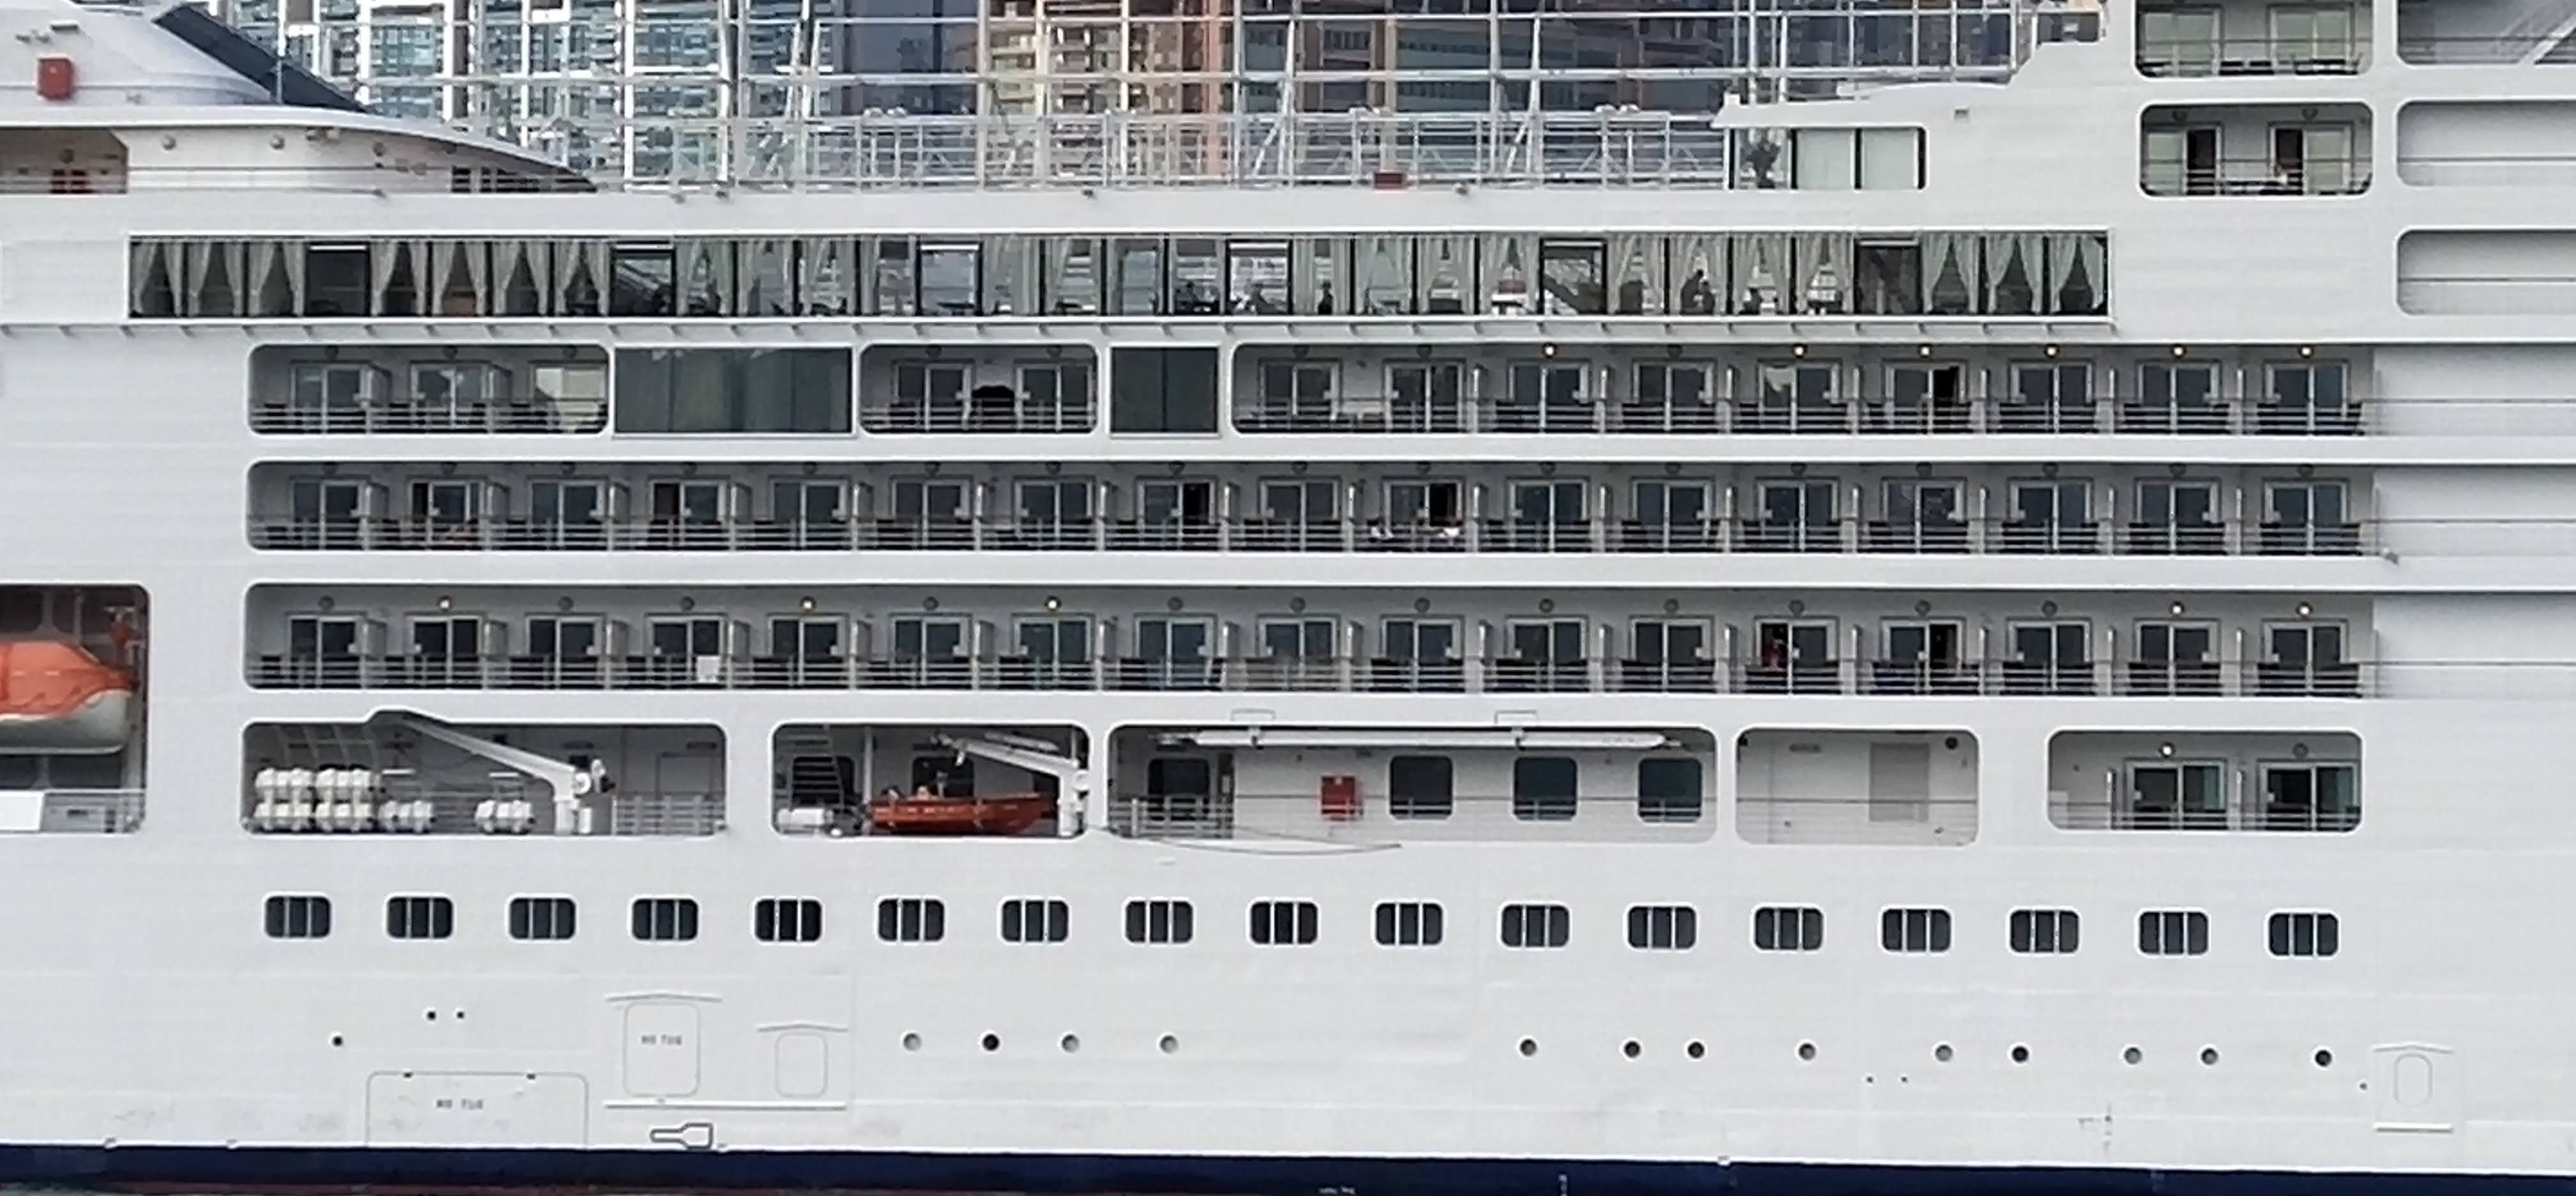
1295,923
1696,275
1537,388
1796,651
1804,509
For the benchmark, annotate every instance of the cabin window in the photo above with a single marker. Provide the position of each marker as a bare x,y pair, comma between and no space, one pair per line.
1915,931
664,919
1543,788
1283,923
2173,932
787,920
1035,920
1163,390
419,917
732,391
1159,921
1420,786
1663,927
1788,928
912,920
299,916
541,919
2305,935
1408,923
2045,931
1668,789
1536,926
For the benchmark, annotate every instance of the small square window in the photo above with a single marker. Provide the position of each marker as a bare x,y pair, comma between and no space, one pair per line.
1159,921
665,919
912,919
1536,926
1788,928
2306,935
541,918
1915,931
787,920
419,917
1283,923
1663,927
300,916
1035,920
2173,932
2045,931
1408,923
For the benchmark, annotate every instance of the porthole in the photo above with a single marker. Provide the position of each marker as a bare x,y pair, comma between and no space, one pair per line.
912,1042
2020,1054
1169,1045
1631,1049
1807,1051
1071,1044
2209,1056
2132,1056
1529,1047
992,1042
1942,1053
2325,1058
1696,1050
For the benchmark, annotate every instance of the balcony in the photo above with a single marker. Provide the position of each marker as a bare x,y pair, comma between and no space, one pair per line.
1482,536
1717,416
1769,675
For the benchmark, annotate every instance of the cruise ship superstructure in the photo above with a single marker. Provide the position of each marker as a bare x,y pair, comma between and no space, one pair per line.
1907,627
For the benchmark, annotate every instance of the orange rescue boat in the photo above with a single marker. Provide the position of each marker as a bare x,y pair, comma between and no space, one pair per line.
58,697
925,815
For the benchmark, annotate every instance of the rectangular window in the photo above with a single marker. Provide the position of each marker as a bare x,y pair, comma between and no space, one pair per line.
1420,787
1035,920
1283,923
912,920
1543,788
664,919
1668,789
1536,926
720,391
419,917
299,917
2305,935
2045,931
1915,931
787,920
1159,921
548,919
1663,927
2173,932
1162,390
1408,923
1788,928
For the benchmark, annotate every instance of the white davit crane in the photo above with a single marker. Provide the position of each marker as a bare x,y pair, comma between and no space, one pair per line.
570,785
1031,754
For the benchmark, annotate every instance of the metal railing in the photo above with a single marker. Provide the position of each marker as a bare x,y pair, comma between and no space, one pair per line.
2316,175
1812,417
2231,56
1916,537
92,811
1367,674
407,807
1001,415
1382,817
2107,814
534,416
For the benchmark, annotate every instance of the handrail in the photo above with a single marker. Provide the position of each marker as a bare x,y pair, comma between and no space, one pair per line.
1491,535
1366,674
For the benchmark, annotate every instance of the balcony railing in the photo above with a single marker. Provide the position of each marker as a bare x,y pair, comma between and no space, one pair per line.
1921,537
1000,415
2313,54
2315,175
1808,417
1379,674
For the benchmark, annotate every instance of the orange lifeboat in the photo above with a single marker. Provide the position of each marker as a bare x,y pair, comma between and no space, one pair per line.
57,697
923,815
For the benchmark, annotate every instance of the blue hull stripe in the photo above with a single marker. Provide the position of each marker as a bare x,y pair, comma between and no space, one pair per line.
660,1170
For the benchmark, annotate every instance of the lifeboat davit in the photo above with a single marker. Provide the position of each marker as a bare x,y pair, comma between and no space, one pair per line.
959,815
58,698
